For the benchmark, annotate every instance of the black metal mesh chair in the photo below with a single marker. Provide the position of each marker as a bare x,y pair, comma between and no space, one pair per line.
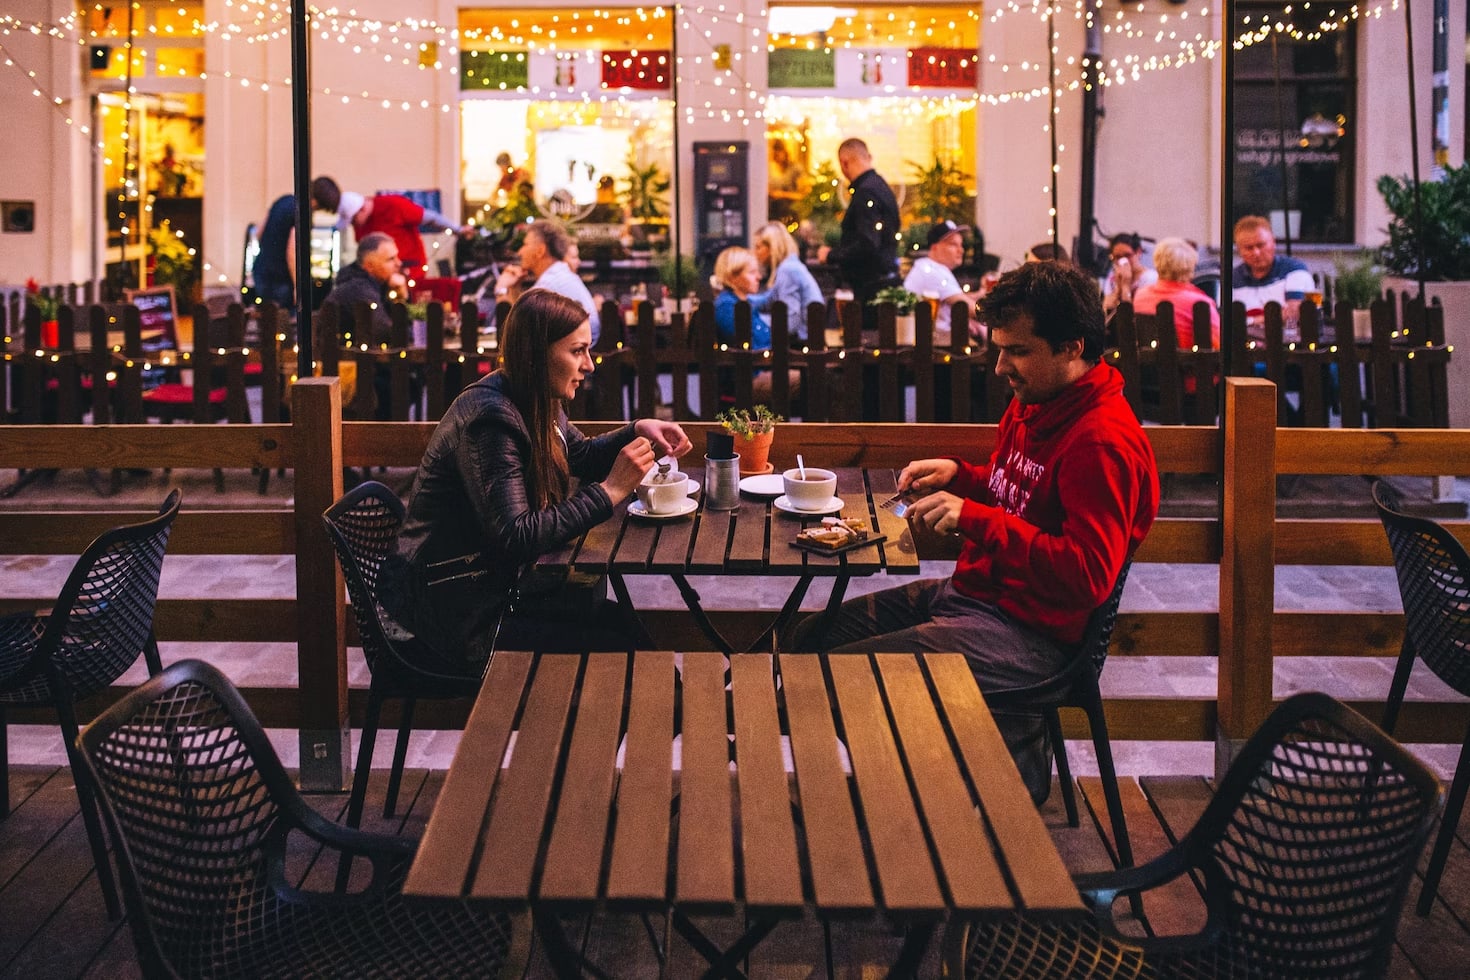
200,810
1076,686
1434,583
101,622
1305,854
363,526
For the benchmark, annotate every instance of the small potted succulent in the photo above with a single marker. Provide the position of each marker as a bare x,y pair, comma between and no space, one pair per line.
903,310
756,429
1359,283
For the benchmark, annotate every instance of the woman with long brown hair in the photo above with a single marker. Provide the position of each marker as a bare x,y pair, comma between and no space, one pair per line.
507,478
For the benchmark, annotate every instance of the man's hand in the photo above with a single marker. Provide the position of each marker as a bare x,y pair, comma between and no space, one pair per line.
925,476
509,277
822,252
667,438
940,511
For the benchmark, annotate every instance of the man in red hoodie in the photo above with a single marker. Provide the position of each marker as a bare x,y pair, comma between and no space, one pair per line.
1047,522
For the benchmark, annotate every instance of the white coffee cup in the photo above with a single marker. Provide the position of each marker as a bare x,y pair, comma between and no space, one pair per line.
663,493
811,493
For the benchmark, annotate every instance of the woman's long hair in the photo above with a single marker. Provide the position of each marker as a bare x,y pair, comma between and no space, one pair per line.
537,320
781,244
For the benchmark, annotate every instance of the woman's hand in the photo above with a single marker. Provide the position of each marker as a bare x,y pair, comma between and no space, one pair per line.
668,438
632,463
924,476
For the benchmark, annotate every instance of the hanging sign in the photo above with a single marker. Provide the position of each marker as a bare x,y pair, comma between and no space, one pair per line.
942,68
647,70
801,68
494,70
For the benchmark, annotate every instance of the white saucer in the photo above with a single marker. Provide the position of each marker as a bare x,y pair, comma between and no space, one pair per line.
687,506
831,507
693,486
764,485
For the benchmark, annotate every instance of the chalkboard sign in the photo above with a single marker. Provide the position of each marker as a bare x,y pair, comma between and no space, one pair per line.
158,315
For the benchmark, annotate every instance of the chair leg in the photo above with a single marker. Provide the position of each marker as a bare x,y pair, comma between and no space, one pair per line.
1399,686
364,758
4,764
1064,769
151,655
90,814
400,753
1104,749
1449,820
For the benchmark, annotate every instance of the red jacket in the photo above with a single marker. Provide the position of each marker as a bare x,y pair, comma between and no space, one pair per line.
1068,496
399,218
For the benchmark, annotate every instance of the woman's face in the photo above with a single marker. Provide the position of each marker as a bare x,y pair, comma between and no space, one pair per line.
569,361
747,280
762,252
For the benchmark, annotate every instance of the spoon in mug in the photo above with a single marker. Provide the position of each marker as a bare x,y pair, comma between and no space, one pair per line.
800,466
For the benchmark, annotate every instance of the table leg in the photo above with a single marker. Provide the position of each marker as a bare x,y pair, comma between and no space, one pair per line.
691,599
724,963
566,962
789,610
911,954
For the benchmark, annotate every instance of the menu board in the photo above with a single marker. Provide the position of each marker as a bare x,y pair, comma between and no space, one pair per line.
159,316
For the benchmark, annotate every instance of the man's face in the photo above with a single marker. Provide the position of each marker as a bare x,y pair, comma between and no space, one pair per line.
949,251
533,254
1035,372
853,166
383,264
1257,248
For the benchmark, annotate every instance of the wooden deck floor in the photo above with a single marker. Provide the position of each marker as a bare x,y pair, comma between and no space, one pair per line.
52,921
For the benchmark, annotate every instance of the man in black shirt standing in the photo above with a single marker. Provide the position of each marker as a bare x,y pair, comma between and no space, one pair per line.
867,254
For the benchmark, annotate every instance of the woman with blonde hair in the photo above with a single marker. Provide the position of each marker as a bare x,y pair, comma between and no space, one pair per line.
738,272
787,277
1174,260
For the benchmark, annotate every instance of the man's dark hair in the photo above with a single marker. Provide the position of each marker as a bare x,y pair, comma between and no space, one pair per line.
1128,238
554,236
1063,302
326,194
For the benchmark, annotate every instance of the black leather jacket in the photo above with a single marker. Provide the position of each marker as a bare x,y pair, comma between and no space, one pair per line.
470,528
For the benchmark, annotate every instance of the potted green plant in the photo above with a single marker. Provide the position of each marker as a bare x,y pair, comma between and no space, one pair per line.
1441,224
756,429
903,310
645,201
939,193
1359,283
678,273
174,262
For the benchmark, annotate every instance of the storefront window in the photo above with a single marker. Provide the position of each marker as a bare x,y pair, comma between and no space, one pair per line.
1310,111
560,109
901,78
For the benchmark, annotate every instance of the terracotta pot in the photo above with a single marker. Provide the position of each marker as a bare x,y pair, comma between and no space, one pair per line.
755,452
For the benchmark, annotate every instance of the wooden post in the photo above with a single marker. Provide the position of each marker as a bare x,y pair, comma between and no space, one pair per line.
321,611
1247,563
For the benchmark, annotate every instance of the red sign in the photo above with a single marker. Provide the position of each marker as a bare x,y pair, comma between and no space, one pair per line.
943,68
636,69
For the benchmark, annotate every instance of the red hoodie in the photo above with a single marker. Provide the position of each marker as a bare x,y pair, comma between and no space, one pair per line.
1069,494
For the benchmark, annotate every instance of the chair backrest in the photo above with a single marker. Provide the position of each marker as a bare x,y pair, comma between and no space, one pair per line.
1099,631
104,616
1434,583
363,526
193,794
1311,841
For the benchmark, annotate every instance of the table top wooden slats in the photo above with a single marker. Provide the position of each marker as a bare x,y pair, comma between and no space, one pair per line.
785,559
513,839
967,864
768,855
638,871
446,863
929,821
574,854
1043,882
671,553
906,879
711,540
748,542
706,862
828,820
899,554
636,546
599,542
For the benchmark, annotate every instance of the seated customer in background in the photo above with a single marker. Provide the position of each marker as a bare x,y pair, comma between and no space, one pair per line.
933,274
1046,523
373,279
1047,252
1126,271
787,278
1175,259
505,479
1265,277
737,271
543,256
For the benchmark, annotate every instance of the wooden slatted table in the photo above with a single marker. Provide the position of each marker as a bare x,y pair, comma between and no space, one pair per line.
928,821
754,540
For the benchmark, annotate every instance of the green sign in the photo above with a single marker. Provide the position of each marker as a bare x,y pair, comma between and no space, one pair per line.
497,70
800,68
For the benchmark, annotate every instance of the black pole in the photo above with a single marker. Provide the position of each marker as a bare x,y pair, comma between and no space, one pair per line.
1051,87
1281,136
301,138
1414,145
1229,344
1083,252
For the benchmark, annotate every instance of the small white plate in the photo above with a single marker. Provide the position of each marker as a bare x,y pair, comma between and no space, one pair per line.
693,486
831,507
764,485
687,506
